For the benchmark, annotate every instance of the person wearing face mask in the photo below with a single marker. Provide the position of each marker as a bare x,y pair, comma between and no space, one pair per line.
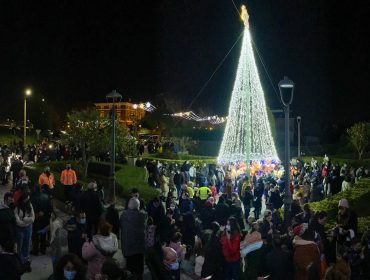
69,267
171,263
47,178
24,216
91,204
68,179
7,218
76,228
230,243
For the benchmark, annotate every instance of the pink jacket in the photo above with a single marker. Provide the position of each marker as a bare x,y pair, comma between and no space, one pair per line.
93,253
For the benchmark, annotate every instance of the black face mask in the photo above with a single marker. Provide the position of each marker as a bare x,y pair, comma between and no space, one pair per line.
47,173
11,205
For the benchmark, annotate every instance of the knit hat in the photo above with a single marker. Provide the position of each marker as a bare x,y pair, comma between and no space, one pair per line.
91,185
134,204
300,229
343,203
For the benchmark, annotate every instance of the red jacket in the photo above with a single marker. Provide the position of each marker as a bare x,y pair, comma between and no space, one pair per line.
231,247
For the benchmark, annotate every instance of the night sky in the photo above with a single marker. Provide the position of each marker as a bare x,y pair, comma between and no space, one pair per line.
72,53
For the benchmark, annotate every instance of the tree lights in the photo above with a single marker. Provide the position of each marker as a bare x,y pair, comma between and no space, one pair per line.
247,135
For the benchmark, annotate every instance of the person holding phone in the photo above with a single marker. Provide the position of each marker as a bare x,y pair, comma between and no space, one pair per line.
230,243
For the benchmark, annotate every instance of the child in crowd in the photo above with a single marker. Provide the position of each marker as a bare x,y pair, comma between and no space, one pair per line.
177,246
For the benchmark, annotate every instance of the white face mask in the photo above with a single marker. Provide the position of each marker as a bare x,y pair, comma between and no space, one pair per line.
227,227
174,266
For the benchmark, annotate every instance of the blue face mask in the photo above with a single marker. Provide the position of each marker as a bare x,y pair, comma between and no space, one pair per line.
69,275
83,221
174,266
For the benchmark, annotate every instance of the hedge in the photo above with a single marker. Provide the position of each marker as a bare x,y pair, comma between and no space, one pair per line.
127,177
358,197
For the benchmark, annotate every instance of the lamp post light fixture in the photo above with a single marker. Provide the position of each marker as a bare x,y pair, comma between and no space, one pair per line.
113,97
286,88
27,92
299,136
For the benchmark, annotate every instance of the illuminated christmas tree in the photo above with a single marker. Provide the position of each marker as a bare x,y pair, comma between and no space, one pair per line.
247,135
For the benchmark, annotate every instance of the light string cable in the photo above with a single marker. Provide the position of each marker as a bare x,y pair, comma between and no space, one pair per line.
210,78
261,58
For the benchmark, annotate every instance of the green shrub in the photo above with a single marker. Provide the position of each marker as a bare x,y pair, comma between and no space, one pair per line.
101,168
127,177
358,197
181,158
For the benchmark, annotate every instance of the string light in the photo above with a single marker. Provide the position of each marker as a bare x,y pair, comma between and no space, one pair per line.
147,106
247,135
190,115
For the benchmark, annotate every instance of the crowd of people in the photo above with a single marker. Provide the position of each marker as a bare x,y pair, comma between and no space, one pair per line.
208,222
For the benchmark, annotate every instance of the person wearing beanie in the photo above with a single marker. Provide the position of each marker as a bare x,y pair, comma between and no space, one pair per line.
134,204
133,225
346,228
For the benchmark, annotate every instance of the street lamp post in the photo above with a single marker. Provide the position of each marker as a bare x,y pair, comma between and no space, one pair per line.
299,136
113,97
286,88
27,92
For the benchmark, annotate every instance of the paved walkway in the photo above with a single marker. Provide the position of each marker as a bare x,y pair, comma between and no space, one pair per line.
42,265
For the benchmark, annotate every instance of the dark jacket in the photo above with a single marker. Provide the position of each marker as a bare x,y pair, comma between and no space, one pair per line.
157,213
186,206
7,222
264,229
222,213
178,179
207,216
41,202
90,203
213,259
278,264
75,232
133,224
11,266
276,200
112,217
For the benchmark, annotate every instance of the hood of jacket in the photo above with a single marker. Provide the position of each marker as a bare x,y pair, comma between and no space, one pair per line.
107,245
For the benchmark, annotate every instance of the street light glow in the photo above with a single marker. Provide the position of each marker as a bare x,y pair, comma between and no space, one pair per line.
28,92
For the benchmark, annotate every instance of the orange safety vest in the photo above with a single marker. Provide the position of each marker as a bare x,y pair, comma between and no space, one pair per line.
45,180
68,177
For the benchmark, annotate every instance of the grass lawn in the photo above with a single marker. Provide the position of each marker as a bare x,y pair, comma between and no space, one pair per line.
129,177
9,137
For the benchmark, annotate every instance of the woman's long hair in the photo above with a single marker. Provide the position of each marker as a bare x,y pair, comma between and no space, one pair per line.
77,264
234,226
23,205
